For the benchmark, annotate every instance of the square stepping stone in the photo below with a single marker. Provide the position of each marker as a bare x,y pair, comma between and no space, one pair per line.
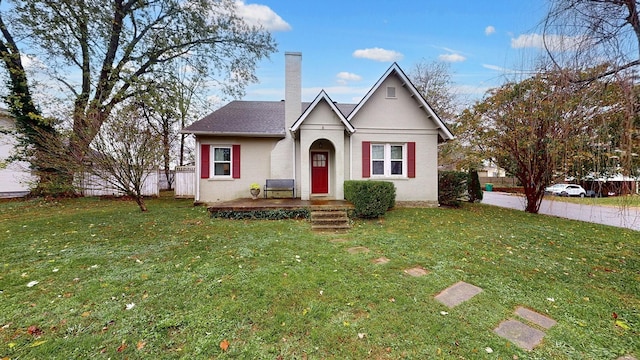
380,261
458,293
358,250
416,271
626,357
524,336
535,318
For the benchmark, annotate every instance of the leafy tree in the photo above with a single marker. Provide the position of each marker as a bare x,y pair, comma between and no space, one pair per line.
115,44
29,121
579,33
532,128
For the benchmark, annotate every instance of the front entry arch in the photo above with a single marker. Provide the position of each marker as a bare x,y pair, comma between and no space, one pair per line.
319,172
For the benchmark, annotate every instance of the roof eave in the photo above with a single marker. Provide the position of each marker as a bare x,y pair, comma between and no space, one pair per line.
238,134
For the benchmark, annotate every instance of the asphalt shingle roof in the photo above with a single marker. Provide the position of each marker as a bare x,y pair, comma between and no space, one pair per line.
249,118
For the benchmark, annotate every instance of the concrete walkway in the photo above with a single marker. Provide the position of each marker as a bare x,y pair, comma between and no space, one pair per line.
625,217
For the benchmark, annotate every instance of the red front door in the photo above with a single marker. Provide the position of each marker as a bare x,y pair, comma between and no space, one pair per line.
319,172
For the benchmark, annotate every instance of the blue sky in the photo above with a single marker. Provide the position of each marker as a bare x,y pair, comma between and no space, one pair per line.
347,45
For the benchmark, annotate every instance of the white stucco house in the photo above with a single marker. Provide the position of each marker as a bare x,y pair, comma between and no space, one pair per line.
15,177
392,134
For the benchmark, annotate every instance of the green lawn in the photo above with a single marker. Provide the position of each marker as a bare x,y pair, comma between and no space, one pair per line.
113,282
619,201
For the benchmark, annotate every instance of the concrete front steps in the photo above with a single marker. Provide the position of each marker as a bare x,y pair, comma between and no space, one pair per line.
327,218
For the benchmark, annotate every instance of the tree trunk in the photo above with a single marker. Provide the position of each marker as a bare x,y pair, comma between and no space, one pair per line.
140,202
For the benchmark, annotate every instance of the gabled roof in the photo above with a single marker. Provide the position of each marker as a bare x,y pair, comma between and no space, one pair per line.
251,119
444,132
323,96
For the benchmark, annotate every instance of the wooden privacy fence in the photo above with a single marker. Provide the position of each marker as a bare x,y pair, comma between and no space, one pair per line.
93,185
185,182
499,181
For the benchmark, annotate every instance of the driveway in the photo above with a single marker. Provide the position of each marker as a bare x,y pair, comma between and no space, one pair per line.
628,217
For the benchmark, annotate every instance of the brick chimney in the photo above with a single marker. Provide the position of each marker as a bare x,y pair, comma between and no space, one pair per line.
293,88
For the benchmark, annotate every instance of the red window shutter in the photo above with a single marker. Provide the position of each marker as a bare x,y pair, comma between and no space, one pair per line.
411,159
235,160
205,154
366,159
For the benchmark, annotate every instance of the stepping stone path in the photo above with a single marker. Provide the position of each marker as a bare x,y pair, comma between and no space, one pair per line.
520,334
538,319
358,250
523,335
380,261
458,293
416,271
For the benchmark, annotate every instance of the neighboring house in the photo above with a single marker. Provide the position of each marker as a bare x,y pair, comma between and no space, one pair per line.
491,169
15,177
392,134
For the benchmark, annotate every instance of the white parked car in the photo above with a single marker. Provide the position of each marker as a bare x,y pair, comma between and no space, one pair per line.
566,190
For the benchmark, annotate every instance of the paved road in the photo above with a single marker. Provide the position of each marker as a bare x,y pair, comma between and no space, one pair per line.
626,217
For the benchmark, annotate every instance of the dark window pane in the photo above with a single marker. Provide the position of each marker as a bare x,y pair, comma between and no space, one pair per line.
396,168
378,168
222,169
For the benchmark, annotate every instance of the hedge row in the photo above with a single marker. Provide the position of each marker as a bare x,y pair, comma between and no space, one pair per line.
277,214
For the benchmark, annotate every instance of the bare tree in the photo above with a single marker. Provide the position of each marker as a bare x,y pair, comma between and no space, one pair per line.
433,81
124,152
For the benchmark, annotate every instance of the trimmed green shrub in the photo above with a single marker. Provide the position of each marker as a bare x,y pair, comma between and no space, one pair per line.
452,187
371,199
474,189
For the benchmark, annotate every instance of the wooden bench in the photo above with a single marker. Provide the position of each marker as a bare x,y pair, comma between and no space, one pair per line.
280,185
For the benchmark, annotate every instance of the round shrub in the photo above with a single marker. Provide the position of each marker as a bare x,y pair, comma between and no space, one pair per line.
371,199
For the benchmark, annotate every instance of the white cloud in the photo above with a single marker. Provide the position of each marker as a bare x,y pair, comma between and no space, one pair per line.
451,58
489,30
31,62
504,70
261,15
378,54
344,77
496,68
552,42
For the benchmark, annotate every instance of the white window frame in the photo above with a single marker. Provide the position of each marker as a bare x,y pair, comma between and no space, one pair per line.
387,160
213,162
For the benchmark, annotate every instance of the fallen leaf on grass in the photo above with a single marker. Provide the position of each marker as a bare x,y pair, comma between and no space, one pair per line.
121,347
38,343
34,330
224,345
622,324
140,345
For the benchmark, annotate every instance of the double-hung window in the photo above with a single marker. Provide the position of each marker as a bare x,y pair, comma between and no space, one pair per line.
388,160
219,161
222,161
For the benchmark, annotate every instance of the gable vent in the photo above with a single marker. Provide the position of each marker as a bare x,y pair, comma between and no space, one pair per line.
391,92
